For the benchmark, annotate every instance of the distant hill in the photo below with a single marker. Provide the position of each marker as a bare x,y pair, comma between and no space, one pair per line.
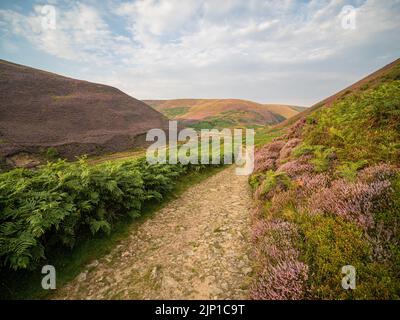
210,113
284,110
41,110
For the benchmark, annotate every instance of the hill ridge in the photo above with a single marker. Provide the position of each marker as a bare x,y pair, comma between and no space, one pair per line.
219,112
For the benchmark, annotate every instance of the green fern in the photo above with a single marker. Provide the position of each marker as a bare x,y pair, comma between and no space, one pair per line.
59,202
348,170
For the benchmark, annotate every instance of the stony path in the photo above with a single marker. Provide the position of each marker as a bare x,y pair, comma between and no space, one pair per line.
196,247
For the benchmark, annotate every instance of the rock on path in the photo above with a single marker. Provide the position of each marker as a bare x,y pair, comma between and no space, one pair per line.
196,247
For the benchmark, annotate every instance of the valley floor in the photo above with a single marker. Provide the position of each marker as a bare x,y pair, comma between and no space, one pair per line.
196,247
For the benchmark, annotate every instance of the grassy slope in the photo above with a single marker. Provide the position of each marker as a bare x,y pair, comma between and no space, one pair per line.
299,109
283,110
355,129
369,81
207,113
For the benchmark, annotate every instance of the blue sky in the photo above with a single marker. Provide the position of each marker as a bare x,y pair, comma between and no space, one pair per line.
294,52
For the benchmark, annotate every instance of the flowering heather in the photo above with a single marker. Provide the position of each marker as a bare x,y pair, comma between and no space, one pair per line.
281,199
352,201
307,185
378,241
281,233
256,211
310,184
282,276
295,130
258,230
378,172
276,146
265,157
284,281
264,164
288,148
295,168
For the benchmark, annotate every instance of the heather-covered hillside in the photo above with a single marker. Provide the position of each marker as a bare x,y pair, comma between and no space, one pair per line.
42,112
327,195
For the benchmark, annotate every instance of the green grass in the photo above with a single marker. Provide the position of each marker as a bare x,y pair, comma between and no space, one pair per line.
214,123
299,109
328,244
233,119
172,113
363,126
393,74
118,156
68,264
266,135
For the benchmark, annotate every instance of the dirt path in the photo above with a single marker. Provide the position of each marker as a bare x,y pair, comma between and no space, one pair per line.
194,248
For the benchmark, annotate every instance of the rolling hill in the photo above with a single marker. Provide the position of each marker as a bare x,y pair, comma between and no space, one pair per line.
41,111
210,113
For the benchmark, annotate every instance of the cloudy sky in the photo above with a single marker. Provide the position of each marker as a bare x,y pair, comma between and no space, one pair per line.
287,51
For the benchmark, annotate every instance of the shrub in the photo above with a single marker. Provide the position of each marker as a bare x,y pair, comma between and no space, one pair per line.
284,199
306,149
255,180
273,182
265,157
352,201
322,158
383,105
296,130
281,275
288,148
311,183
320,155
52,153
348,170
353,220
296,168
284,281
329,244
264,164
379,172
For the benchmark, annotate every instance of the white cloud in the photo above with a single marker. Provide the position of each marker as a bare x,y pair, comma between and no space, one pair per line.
80,32
252,49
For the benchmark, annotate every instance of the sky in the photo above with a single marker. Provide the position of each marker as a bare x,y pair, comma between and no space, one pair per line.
289,52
